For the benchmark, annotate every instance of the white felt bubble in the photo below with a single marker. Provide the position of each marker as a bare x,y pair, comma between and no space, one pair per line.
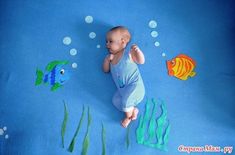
74,65
163,54
1,131
152,24
154,34
98,46
92,35
4,128
73,52
88,19
67,40
6,136
157,44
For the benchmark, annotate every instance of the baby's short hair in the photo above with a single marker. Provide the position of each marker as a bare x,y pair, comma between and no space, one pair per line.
124,31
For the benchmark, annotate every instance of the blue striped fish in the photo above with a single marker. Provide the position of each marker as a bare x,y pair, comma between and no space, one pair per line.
55,75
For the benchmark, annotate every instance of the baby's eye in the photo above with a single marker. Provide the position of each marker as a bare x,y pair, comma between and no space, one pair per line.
62,71
109,41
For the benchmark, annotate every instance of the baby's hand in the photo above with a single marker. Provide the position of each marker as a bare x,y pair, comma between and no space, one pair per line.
110,57
135,48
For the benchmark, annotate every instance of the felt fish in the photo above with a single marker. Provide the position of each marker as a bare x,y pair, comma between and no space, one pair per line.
181,66
55,75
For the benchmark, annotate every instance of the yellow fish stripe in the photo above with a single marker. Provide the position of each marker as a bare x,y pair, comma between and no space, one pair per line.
189,68
184,69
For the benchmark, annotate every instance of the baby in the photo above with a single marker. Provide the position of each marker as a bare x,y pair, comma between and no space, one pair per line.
123,66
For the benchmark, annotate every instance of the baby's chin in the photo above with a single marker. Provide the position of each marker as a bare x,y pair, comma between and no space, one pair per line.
111,52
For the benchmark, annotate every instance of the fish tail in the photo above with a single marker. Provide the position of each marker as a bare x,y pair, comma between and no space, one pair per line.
39,78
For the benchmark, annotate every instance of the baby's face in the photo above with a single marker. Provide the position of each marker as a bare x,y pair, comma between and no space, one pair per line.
114,42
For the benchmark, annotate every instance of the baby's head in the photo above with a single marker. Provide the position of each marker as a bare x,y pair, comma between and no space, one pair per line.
117,38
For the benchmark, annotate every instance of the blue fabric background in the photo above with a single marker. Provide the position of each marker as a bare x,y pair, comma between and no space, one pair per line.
201,109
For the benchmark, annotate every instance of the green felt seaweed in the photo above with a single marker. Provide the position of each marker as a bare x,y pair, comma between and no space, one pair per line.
152,124
39,78
166,136
140,132
147,113
151,131
161,122
52,64
103,140
86,141
72,143
128,137
85,145
157,134
63,128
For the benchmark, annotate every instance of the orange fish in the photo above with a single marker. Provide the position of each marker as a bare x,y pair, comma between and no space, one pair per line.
181,66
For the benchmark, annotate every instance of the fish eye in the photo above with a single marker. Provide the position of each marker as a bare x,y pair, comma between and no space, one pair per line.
172,62
62,71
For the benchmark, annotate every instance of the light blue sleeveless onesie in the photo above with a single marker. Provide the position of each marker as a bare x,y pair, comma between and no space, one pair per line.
129,82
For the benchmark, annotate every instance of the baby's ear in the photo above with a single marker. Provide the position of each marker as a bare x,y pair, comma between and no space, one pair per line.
124,41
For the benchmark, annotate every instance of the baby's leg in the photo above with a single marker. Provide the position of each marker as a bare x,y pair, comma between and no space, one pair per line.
117,101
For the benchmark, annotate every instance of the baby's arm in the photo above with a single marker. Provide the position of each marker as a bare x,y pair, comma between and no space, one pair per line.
137,55
106,63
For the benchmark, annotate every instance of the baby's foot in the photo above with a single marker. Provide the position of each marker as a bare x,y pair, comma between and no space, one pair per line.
134,114
125,122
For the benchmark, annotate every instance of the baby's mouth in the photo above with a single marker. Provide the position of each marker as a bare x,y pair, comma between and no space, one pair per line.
110,51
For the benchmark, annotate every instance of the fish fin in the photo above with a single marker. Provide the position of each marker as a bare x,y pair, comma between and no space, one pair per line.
192,74
183,78
39,78
52,64
170,72
55,86
169,68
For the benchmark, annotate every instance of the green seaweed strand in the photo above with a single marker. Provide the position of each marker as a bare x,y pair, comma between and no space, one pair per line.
63,128
160,122
103,140
152,124
128,137
140,132
166,136
72,143
86,141
147,114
